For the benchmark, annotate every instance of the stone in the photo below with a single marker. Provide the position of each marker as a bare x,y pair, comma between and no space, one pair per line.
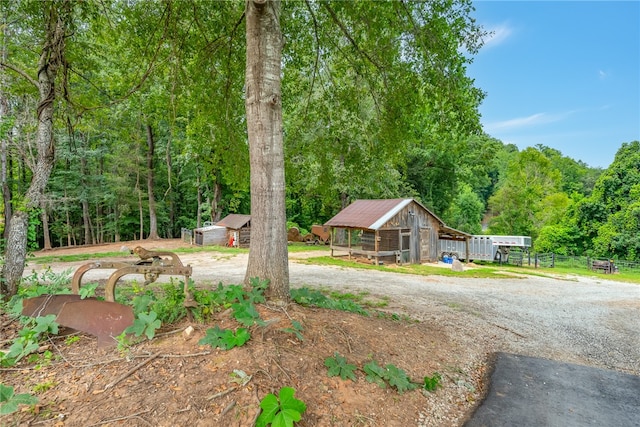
457,266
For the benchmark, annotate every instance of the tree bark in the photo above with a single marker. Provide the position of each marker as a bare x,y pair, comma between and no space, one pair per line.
4,140
45,227
153,219
268,257
51,59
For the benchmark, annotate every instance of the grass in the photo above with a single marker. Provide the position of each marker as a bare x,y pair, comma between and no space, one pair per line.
419,269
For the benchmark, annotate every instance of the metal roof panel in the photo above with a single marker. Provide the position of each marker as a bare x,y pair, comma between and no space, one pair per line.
234,221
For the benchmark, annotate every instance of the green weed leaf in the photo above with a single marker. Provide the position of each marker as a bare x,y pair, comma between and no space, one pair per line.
9,401
146,323
398,378
375,373
281,411
338,366
225,339
433,382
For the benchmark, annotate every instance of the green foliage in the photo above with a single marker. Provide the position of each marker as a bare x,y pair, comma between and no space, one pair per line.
281,411
246,314
390,374
375,373
145,323
225,339
530,178
296,329
28,340
433,382
466,211
88,290
338,366
308,297
9,401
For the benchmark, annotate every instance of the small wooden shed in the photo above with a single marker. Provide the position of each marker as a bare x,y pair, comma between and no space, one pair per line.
389,231
238,227
210,235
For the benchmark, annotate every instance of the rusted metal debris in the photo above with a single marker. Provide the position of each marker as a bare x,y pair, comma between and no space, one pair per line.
108,319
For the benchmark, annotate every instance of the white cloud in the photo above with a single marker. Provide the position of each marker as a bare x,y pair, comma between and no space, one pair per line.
524,122
497,34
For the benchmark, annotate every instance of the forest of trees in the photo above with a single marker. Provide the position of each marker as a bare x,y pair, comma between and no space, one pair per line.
147,104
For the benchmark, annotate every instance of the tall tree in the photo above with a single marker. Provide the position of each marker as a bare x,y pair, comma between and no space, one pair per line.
153,218
57,19
268,257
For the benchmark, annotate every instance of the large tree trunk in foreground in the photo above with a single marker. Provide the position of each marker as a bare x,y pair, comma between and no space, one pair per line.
268,257
51,59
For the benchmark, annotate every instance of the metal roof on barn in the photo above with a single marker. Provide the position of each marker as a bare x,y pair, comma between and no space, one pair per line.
371,214
234,221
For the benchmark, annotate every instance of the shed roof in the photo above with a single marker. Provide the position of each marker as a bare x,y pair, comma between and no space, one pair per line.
234,221
210,228
373,214
370,214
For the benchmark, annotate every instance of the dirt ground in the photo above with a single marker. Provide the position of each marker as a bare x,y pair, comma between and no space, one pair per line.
171,380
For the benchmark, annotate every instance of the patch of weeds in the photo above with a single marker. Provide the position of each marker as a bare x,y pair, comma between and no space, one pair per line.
41,360
433,382
338,366
88,290
225,339
71,339
395,317
296,329
169,306
29,338
9,401
45,282
308,297
381,303
281,411
390,374
42,387
145,323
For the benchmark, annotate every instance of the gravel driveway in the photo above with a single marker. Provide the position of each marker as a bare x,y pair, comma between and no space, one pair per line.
589,321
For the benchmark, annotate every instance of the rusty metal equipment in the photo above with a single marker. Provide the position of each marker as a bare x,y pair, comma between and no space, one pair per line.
107,319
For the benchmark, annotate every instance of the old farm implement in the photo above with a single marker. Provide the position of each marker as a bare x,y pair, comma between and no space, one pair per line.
107,319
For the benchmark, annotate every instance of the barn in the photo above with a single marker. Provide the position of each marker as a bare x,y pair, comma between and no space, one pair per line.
238,227
389,231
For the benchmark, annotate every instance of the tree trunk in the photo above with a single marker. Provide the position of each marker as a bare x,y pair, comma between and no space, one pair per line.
4,141
153,219
268,257
51,59
199,198
45,227
216,214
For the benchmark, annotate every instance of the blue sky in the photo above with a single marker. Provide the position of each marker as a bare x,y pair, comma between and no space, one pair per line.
565,74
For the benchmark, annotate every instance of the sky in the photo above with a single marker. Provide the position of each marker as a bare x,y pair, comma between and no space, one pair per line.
564,74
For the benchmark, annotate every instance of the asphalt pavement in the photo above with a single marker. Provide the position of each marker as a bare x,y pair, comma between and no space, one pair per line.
529,391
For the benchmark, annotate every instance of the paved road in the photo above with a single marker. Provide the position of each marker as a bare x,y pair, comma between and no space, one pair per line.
527,391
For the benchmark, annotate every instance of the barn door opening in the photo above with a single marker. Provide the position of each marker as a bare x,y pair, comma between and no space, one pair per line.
425,246
405,246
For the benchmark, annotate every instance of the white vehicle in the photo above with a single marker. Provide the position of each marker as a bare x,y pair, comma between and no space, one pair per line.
483,248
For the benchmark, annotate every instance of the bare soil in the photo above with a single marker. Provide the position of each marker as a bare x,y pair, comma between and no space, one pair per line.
171,380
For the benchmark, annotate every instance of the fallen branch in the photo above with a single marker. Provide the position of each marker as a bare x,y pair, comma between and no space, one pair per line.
131,371
129,417
222,393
